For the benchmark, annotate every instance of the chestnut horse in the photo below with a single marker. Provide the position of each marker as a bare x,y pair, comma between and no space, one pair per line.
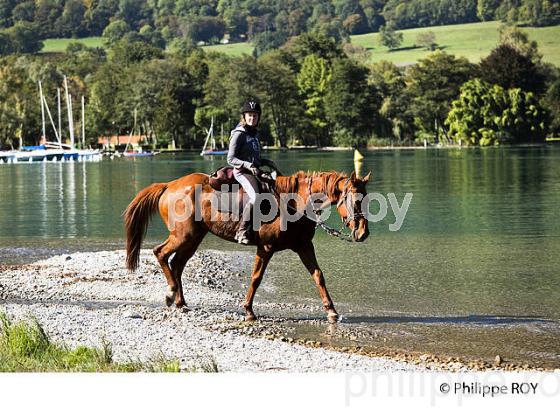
185,236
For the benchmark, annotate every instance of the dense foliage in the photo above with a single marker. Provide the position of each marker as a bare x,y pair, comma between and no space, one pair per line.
487,114
314,92
268,23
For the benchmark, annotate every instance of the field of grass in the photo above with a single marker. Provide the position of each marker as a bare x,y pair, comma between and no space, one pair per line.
234,49
58,45
472,41
25,347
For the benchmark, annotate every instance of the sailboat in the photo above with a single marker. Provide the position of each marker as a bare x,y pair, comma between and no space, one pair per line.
210,139
54,151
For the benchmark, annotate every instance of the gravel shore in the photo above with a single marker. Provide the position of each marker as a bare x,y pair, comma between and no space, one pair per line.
84,298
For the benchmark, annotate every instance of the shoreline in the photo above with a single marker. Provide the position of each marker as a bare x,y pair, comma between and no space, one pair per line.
85,297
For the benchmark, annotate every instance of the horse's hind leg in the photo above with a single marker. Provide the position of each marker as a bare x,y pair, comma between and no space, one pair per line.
182,256
163,251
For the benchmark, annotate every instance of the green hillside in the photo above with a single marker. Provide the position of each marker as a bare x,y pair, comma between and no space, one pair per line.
473,41
470,40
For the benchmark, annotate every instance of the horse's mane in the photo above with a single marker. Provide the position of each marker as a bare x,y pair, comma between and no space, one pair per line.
329,181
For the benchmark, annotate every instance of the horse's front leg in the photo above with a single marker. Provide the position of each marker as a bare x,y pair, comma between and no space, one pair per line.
261,262
307,256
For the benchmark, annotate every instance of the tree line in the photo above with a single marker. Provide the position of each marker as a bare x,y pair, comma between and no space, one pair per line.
314,90
267,23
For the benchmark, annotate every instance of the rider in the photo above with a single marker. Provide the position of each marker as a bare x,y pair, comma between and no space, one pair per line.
244,155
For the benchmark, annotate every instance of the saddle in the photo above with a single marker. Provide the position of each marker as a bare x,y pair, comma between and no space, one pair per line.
223,177
232,200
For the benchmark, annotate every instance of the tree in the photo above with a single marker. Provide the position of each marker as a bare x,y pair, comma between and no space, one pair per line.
134,12
539,12
432,84
97,18
6,7
487,114
230,81
509,68
313,43
5,44
110,114
518,39
24,38
128,52
71,22
81,60
355,24
235,17
390,38
552,102
351,103
151,36
269,40
486,9
426,39
396,120
24,11
206,29
162,94
18,104
47,13
115,31
277,85
312,81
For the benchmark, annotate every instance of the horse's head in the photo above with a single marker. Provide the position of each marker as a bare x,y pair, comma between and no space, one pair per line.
351,191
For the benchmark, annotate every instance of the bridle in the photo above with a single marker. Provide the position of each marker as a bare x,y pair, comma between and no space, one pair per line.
351,214
348,196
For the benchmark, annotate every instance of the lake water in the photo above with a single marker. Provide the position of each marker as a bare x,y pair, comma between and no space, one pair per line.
473,271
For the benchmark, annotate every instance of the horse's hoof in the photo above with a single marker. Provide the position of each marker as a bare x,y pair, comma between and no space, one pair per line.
169,300
332,317
250,317
183,309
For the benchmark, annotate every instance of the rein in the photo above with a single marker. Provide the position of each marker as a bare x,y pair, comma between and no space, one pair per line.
328,229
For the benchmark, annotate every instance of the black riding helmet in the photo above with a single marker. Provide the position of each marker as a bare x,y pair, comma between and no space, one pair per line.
251,106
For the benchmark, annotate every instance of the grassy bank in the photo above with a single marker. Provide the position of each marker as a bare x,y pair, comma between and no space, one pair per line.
26,347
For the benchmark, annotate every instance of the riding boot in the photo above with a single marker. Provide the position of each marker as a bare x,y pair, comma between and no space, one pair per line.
243,235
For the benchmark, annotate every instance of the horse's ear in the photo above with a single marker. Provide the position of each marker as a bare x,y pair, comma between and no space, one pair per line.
353,176
366,178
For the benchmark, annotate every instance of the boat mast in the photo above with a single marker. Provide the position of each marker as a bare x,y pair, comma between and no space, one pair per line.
42,112
209,134
212,137
69,109
59,114
45,106
83,123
